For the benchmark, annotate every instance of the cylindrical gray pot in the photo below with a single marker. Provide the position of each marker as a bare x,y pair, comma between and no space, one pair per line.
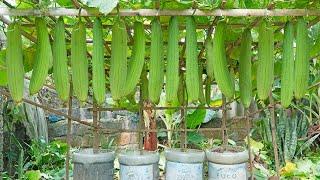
90,165
228,164
136,165
184,164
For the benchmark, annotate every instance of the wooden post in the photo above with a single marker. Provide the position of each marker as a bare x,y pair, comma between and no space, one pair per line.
183,132
248,127
150,140
274,136
96,128
69,132
141,121
224,120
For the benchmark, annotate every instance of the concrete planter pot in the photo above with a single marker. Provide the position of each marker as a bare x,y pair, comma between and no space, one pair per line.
186,164
90,165
227,164
136,165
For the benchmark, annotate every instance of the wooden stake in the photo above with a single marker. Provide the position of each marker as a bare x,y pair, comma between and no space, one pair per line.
96,128
224,120
248,127
274,137
69,132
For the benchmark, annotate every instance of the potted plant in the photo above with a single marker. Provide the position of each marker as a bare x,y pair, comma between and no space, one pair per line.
227,162
135,164
89,164
184,164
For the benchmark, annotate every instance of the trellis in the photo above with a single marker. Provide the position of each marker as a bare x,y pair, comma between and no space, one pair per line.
158,12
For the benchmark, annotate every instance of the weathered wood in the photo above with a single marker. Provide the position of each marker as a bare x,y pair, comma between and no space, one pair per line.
69,135
274,136
155,12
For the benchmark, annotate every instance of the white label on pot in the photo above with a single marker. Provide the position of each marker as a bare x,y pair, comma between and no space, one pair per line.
144,172
184,171
227,172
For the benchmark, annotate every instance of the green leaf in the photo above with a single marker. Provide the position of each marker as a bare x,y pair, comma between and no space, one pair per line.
196,118
28,58
174,4
256,146
232,4
196,139
104,6
315,36
3,78
24,4
304,165
3,69
208,4
277,68
65,3
33,175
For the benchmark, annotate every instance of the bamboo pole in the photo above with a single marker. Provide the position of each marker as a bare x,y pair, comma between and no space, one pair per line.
50,109
157,108
116,130
155,12
163,26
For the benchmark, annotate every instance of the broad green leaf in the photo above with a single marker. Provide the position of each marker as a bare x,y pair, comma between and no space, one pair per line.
304,165
174,4
235,53
196,118
23,4
104,6
256,146
315,36
277,68
203,19
196,139
208,4
65,3
28,58
33,175
232,4
3,78
3,71
3,60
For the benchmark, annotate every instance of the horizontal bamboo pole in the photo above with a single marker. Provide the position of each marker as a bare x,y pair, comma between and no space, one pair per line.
49,109
156,108
115,130
164,26
154,12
